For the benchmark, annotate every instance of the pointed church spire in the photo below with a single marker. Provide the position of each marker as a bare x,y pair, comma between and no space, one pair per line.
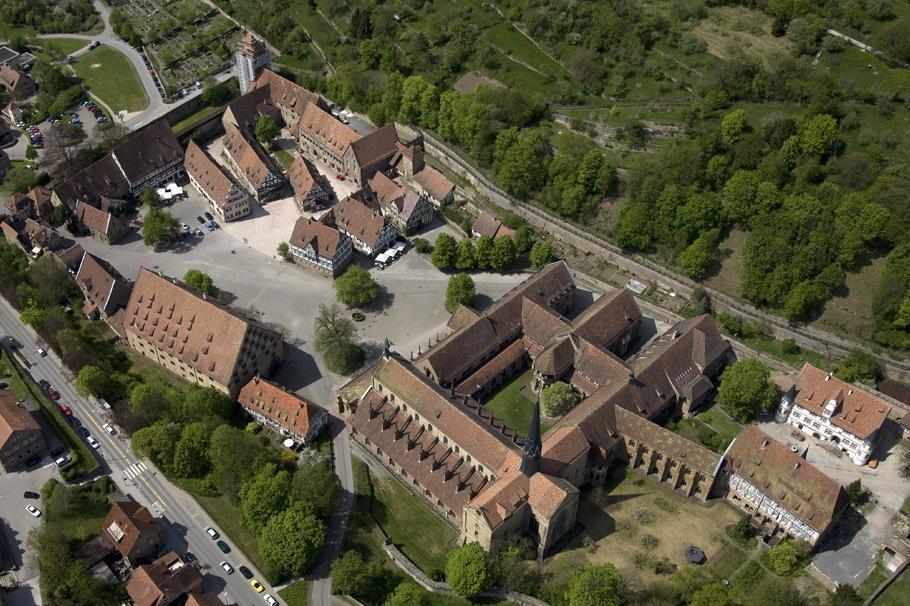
530,452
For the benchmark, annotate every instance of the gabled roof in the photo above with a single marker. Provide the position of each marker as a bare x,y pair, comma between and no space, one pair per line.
302,176
696,456
288,410
359,220
859,412
607,317
325,239
126,522
101,284
203,334
324,128
210,176
543,493
91,183
247,108
285,93
786,477
488,224
247,156
151,149
163,581
10,78
13,417
204,599
387,191
434,182
378,145
94,219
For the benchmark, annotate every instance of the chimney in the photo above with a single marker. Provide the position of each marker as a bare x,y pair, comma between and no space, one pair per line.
796,465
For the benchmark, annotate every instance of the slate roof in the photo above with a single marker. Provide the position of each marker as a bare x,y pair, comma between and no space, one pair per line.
203,334
325,239
786,477
101,284
860,412
151,149
295,414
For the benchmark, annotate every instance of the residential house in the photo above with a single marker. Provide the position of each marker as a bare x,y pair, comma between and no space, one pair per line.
20,434
227,198
103,178
69,257
167,580
197,338
307,185
407,210
429,182
39,238
151,158
35,204
370,232
320,245
784,495
204,599
104,226
104,289
16,83
284,412
822,405
488,224
256,169
133,531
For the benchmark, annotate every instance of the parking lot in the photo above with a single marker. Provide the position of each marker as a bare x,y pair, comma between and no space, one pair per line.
849,553
86,117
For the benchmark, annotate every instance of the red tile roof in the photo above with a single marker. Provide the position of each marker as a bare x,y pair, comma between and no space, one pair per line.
302,177
101,284
247,157
380,144
95,219
126,522
325,129
859,412
285,93
216,182
696,456
288,410
325,239
13,417
434,182
163,581
359,220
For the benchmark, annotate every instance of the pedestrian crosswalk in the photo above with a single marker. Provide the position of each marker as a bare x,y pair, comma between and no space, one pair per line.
134,470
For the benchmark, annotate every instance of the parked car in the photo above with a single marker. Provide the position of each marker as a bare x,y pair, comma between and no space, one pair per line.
40,351
201,220
75,422
33,510
339,176
109,428
209,226
95,44
209,216
257,586
212,532
84,432
226,567
66,410
54,394
45,385
215,224
246,572
270,600
61,461
93,442
223,546
184,227
28,494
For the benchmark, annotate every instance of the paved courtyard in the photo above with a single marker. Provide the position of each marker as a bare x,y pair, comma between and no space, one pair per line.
849,553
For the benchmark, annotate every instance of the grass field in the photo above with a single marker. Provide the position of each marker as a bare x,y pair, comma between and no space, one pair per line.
897,592
83,460
77,511
850,309
63,45
742,29
727,278
872,581
512,405
515,44
203,113
110,75
609,519
295,594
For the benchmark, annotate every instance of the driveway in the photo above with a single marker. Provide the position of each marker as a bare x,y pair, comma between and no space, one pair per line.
849,553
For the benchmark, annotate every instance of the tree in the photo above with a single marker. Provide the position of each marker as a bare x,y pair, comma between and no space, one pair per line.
859,367
460,290
520,160
714,594
745,389
421,245
335,336
92,380
284,251
264,496
596,586
350,574
266,129
407,594
483,252
818,134
151,401
159,227
696,260
60,150
190,452
316,484
857,493
465,256
213,93
355,287
557,399
466,570
733,125
30,152
504,253
777,591
233,453
202,403
149,197
787,557
894,40
201,281
290,542
20,180
542,254
156,442
445,252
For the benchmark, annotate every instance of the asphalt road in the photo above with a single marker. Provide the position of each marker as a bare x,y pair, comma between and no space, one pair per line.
182,519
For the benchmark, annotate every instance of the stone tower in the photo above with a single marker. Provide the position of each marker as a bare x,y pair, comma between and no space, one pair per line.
251,55
530,452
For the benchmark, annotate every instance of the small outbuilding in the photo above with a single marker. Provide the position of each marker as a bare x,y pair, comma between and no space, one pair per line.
695,555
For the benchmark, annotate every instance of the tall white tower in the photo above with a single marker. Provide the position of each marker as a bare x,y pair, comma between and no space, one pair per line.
250,56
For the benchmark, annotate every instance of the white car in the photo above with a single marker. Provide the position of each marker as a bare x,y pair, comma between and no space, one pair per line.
109,428
224,565
93,442
33,510
212,533
184,227
40,351
270,600
60,462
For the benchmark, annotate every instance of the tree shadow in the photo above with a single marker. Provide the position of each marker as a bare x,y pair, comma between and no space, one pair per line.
133,235
298,370
384,299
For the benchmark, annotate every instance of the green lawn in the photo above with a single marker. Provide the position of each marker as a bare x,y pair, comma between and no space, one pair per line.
227,518
512,405
83,460
64,45
897,592
77,511
193,118
875,578
295,594
284,158
726,563
110,76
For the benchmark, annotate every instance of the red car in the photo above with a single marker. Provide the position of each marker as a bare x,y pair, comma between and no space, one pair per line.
53,394
340,177
66,410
